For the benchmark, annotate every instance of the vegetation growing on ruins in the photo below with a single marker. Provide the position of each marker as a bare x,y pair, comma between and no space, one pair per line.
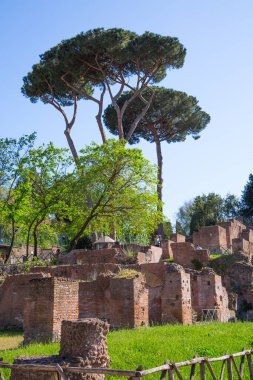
127,273
150,347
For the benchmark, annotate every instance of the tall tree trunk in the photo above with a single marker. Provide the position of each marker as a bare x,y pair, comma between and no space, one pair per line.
12,240
28,238
160,182
35,241
35,235
71,144
73,242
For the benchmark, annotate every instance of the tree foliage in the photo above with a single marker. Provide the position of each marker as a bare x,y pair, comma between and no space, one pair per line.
247,200
171,117
206,210
121,184
45,196
103,60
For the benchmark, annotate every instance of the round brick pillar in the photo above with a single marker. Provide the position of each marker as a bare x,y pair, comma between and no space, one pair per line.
84,341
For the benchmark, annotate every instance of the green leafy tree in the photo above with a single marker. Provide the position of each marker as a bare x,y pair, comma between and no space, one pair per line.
45,174
121,183
13,157
247,200
206,210
172,116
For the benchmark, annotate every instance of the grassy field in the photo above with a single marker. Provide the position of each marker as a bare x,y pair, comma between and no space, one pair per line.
150,347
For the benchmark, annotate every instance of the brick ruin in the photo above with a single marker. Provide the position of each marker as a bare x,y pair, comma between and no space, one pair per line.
169,284
83,344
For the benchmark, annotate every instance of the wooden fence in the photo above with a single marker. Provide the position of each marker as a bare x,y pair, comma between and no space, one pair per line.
199,367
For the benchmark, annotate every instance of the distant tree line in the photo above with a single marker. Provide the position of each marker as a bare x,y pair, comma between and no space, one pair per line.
206,210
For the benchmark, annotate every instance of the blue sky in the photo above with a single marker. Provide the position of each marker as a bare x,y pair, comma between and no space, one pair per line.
218,36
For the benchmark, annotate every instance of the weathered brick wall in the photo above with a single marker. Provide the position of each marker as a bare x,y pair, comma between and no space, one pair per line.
185,254
166,248
247,234
66,303
84,272
153,255
234,229
154,275
38,311
177,238
176,296
241,245
50,301
13,292
94,298
211,237
128,302
209,293
101,256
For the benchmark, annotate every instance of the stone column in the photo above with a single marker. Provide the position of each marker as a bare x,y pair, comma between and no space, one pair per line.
83,344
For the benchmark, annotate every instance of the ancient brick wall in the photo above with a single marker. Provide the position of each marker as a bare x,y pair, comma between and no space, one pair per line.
241,245
50,301
176,296
247,234
128,302
211,237
94,298
153,255
101,256
166,248
13,292
154,275
209,293
234,229
177,238
84,272
186,254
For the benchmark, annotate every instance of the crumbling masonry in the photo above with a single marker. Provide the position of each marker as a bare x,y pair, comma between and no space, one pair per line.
168,284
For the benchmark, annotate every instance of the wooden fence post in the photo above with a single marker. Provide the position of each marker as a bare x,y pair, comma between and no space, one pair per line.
202,370
193,367
250,366
163,374
229,368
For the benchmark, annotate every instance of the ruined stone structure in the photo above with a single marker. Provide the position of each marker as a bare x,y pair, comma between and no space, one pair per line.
49,302
211,237
83,344
140,288
13,292
187,255
208,293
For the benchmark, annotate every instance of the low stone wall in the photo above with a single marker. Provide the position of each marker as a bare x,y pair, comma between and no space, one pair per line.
187,255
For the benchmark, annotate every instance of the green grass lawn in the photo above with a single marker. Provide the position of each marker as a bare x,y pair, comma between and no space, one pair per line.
152,346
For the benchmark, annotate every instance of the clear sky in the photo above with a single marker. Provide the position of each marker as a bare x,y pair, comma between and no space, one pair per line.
218,35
